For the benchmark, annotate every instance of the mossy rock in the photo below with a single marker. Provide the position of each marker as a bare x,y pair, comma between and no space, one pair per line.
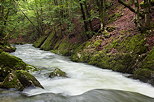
8,63
39,41
27,79
31,68
47,44
135,44
149,60
121,62
81,57
145,75
57,73
11,81
19,80
75,57
11,61
65,47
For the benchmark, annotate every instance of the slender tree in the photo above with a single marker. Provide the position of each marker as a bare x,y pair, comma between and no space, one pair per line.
83,15
102,11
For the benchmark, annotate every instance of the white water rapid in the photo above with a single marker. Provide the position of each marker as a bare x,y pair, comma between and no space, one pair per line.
81,77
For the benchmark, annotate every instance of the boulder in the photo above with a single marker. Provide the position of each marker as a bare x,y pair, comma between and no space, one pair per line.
27,79
19,80
8,63
13,73
57,72
11,81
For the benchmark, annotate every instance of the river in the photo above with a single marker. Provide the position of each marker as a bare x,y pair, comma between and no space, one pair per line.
80,85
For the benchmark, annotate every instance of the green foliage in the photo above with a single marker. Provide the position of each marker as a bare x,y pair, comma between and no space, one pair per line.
33,17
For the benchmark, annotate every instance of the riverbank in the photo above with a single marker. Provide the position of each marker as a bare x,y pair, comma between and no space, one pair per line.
121,47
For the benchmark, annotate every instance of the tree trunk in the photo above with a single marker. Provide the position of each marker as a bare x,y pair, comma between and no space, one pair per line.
137,17
1,18
88,16
147,13
101,8
103,14
129,7
83,16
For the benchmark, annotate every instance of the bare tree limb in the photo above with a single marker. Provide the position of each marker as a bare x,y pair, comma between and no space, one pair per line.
129,7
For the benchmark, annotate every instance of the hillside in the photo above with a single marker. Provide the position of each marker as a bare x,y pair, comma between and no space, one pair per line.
121,47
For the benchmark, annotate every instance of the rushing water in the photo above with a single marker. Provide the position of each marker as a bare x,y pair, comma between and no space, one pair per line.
81,78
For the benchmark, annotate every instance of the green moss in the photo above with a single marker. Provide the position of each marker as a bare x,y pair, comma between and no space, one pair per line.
75,57
149,60
11,61
47,45
124,62
106,34
8,63
11,81
98,60
65,47
97,43
57,72
110,28
145,75
55,51
27,79
31,68
56,45
134,44
20,79
39,41
121,62
114,17
1,50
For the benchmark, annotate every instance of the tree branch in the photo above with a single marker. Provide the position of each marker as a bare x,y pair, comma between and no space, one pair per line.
129,7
